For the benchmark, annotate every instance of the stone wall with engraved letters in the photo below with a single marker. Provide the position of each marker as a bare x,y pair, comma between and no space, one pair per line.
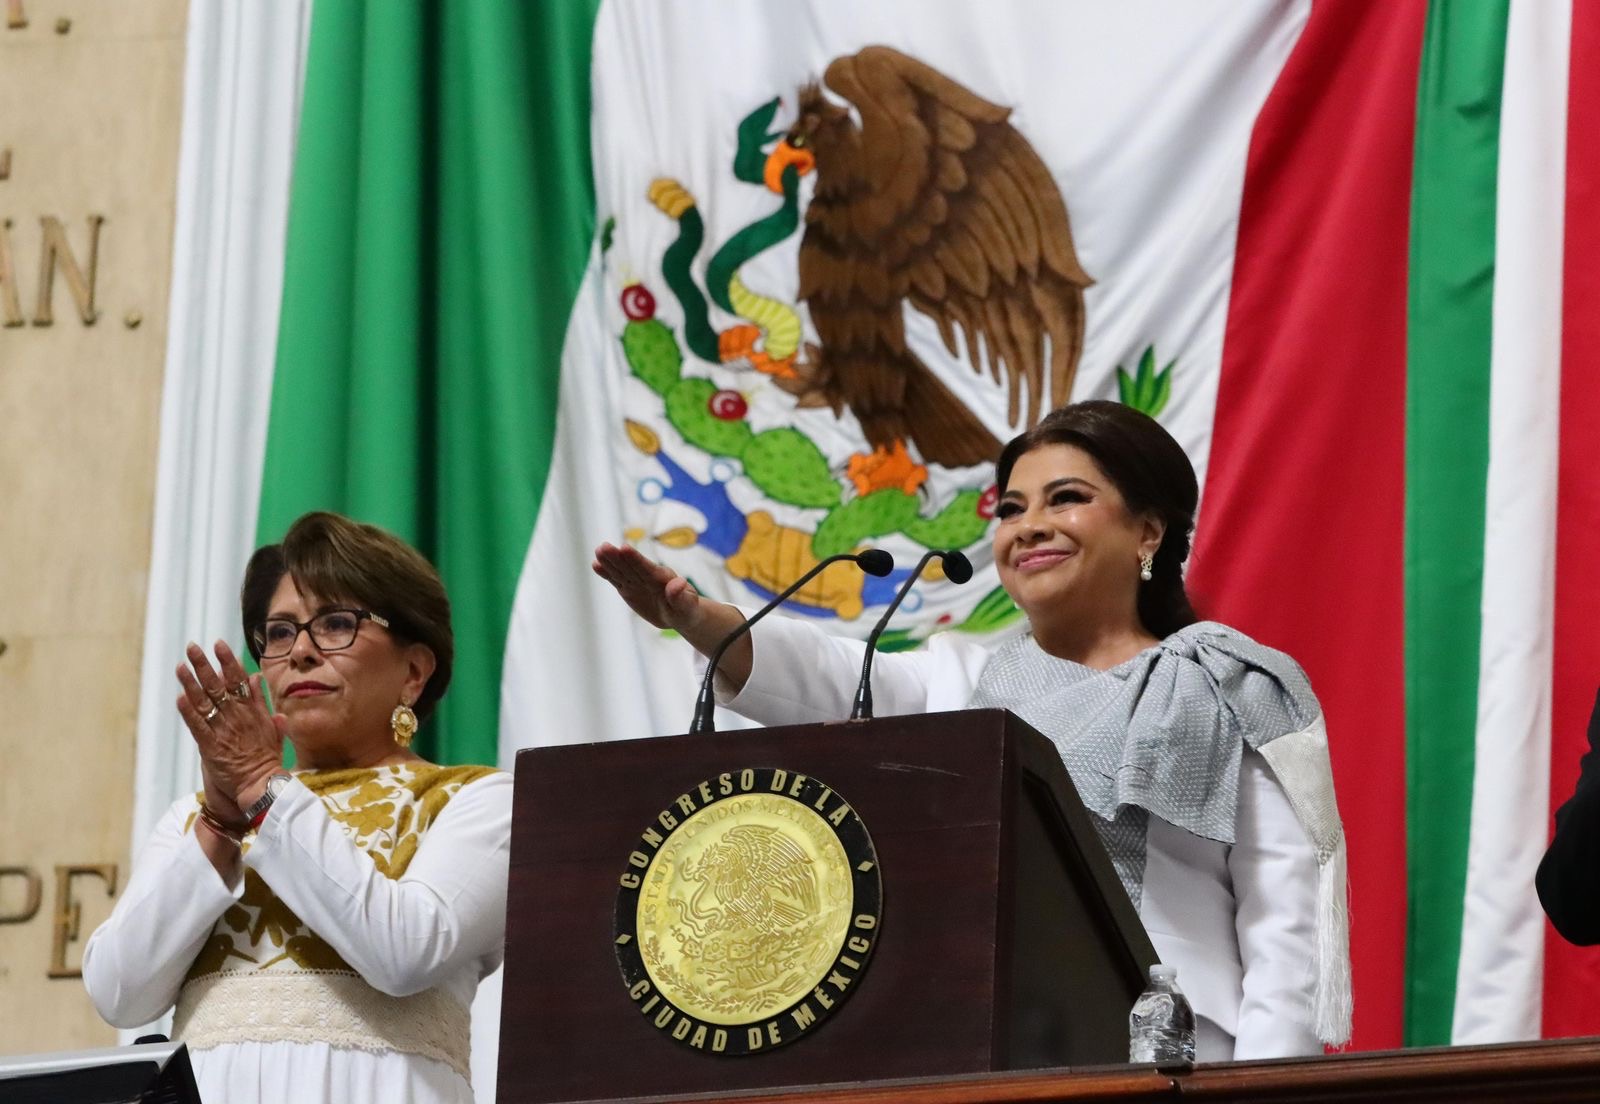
90,107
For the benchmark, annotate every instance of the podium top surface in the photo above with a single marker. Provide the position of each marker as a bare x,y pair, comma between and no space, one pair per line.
1551,1070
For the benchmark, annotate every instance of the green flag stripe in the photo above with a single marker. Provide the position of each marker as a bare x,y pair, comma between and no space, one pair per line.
440,221
1447,443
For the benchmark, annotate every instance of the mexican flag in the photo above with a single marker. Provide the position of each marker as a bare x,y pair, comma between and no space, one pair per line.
572,272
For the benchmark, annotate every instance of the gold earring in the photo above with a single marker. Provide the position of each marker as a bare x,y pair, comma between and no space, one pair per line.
404,723
1147,568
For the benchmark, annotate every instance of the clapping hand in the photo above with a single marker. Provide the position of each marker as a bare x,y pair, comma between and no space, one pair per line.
240,740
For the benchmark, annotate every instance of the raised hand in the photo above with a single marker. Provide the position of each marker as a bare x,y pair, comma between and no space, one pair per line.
655,592
665,599
240,740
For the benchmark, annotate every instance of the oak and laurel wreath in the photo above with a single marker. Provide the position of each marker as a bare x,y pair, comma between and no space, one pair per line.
769,999
667,974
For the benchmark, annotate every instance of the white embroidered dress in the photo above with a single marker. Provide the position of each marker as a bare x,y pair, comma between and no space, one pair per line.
343,964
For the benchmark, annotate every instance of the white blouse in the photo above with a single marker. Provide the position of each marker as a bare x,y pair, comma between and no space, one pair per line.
342,965
1237,920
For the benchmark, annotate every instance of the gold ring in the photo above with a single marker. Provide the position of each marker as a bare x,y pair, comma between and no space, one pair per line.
211,716
241,690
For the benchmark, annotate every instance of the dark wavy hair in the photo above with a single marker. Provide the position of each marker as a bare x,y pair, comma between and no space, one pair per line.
340,560
1153,476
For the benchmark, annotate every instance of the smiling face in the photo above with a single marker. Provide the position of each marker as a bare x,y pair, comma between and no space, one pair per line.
338,703
1067,547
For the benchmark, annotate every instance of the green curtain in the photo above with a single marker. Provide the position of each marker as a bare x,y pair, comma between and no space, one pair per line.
440,219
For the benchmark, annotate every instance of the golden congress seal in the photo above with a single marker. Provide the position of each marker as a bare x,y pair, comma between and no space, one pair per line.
748,911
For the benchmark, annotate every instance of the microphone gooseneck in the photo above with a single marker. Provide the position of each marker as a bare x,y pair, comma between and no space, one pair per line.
957,568
874,561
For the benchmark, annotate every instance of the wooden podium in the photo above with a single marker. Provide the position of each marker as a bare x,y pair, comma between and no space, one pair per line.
1006,941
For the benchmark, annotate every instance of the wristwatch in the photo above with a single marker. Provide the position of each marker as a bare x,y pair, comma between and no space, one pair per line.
257,812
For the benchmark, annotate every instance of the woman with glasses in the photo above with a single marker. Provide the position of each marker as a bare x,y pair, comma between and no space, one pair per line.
321,932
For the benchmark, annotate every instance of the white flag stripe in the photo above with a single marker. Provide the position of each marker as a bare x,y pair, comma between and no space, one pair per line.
241,108
580,667
1499,978
242,78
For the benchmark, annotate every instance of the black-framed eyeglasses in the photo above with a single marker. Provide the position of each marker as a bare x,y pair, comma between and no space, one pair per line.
331,631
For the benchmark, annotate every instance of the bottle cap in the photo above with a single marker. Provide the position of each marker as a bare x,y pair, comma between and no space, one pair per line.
1162,972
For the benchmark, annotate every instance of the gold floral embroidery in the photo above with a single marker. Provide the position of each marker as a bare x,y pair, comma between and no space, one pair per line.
432,805
385,810
309,952
370,793
214,955
404,852
270,917
367,819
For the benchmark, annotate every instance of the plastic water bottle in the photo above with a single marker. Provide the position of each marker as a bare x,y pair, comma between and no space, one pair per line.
1161,1025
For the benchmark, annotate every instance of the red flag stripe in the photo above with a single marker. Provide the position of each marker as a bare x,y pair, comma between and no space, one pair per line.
1572,975
1302,523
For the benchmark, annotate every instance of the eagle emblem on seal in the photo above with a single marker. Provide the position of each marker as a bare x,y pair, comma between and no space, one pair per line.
759,882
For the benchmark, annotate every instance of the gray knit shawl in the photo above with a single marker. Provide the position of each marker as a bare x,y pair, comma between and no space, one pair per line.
1162,733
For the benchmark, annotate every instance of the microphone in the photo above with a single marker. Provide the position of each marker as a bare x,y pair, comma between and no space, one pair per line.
874,561
957,568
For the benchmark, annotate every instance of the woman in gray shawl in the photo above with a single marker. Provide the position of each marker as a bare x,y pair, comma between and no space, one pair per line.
1202,753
